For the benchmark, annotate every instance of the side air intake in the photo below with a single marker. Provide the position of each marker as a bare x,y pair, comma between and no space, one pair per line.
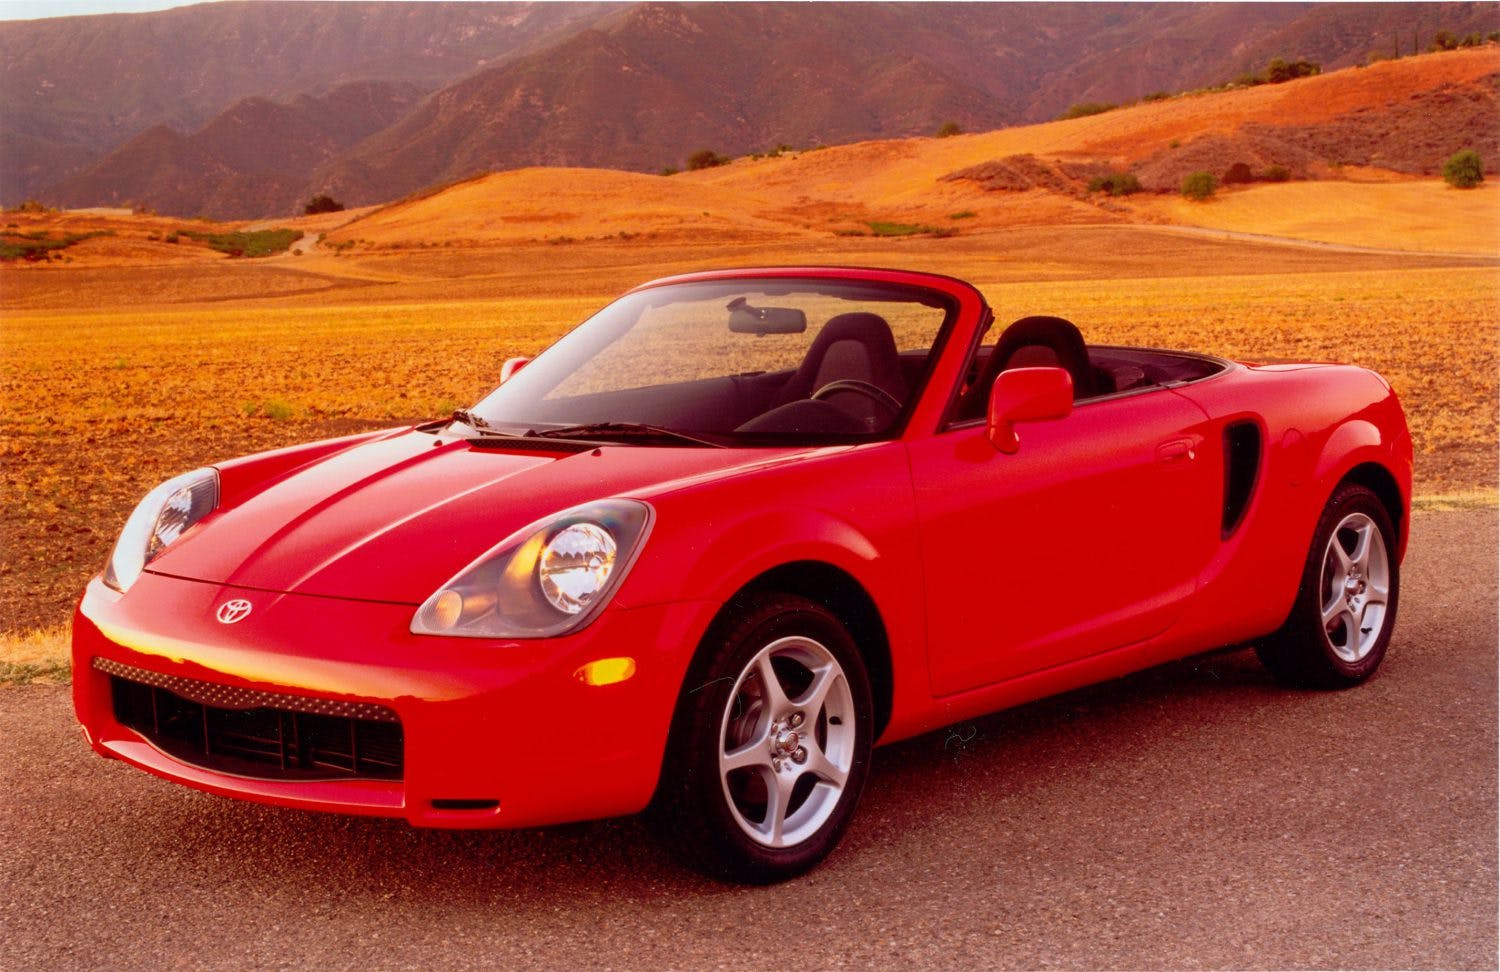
1242,452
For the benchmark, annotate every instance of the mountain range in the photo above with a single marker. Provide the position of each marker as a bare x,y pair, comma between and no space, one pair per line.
245,109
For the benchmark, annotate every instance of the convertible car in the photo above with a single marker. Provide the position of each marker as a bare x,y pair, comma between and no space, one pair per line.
705,551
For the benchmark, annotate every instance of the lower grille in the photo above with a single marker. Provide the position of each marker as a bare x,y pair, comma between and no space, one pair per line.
276,738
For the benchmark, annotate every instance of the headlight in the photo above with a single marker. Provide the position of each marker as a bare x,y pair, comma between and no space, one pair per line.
544,580
163,516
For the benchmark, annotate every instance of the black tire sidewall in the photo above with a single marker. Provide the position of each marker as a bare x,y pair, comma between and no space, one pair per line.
695,793
1306,623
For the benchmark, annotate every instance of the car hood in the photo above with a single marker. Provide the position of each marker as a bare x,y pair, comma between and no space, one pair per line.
393,519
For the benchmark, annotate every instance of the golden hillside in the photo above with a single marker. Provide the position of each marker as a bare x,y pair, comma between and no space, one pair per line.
842,189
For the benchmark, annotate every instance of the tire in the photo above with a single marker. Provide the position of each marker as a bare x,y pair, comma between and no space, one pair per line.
1340,625
760,780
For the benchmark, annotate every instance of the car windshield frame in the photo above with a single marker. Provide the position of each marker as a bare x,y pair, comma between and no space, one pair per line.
510,409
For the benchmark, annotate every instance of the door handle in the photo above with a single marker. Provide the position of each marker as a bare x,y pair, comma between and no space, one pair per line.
1176,450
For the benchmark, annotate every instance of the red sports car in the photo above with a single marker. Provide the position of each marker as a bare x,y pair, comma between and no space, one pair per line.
719,540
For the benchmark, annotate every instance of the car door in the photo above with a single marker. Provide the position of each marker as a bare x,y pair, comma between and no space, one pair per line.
1090,537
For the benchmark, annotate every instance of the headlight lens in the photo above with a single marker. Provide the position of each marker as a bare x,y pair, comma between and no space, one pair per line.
575,566
545,580
163,516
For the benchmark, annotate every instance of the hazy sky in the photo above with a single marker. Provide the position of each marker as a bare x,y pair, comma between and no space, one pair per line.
32,9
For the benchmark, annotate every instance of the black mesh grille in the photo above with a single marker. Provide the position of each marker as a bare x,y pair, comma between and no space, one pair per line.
266,741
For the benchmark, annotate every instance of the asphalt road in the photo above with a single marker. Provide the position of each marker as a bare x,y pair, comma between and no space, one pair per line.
1191,816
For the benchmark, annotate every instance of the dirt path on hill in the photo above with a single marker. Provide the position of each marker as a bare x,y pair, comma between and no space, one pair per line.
306,245
1222,234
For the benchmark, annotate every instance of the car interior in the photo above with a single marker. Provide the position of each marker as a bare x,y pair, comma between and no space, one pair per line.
853,382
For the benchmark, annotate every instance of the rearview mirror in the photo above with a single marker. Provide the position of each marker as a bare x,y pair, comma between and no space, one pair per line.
745,319
1027,395
511,366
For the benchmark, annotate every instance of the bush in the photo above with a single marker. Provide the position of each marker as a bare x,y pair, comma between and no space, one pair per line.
880,228
1276,173
40,246
1199,185
1279,71
1116,184
1087,108
1443,40
949,129
1238,174
669,171
259,243
1464,170
275,409
705,159
1157,96
322,204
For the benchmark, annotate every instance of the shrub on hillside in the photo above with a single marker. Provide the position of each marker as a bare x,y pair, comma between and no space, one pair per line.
881,228
1086,108
1199,185
1443,40
248,243
1116,183
322,204
1238,174
949,129
1278,71
1464,170
705,159
1276,173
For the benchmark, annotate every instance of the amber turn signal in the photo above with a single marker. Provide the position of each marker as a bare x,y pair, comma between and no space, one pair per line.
606,671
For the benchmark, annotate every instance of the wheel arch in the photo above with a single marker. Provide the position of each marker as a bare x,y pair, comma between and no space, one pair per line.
1382,482
843,595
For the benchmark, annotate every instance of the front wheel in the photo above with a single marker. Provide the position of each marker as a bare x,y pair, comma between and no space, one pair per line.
1341,623
770,746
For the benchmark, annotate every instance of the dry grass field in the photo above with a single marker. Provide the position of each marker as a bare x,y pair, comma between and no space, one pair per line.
98,405
137,359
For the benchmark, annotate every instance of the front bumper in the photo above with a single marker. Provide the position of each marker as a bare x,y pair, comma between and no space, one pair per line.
495,734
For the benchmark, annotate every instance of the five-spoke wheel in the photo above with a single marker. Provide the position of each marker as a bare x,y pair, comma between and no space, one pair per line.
788,741
770,745
1339,627
1356,586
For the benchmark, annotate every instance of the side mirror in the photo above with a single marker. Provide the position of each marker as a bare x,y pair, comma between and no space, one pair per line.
511,366
1027,395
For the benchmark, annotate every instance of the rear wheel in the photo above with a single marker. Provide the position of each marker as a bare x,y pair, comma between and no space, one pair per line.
1337,633
770,746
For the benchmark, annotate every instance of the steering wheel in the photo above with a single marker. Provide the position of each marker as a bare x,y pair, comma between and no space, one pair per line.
874,393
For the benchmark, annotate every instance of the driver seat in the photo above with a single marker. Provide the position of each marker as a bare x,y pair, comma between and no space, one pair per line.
857,346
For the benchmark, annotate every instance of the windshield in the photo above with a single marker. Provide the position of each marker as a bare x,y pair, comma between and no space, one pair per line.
739,361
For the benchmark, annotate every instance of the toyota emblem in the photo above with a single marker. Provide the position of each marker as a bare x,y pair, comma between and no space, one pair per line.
235,610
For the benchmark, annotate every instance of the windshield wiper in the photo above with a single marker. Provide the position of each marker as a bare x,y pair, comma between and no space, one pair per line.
622,430
470,419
